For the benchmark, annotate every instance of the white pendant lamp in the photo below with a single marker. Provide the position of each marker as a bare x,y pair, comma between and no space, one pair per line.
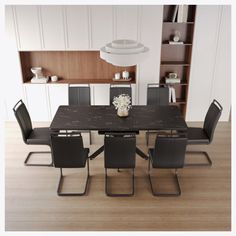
124,52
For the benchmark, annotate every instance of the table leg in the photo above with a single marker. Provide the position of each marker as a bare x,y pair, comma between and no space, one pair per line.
96,153
141,153
101,149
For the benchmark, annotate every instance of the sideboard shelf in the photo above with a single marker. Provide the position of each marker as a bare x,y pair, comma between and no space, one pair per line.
85,81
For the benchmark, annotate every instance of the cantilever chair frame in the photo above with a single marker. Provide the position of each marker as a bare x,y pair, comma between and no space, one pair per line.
61,179
152,85
30,154
204,153
164,194
114,134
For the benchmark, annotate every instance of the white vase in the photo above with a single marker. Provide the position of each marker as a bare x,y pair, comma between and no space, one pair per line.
122,112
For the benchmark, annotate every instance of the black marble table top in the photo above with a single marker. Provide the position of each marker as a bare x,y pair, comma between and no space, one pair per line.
105,118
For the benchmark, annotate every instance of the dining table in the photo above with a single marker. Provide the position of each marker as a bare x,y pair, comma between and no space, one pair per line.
104,119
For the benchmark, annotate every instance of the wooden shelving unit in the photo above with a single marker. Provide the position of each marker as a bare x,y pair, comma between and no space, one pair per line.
177,57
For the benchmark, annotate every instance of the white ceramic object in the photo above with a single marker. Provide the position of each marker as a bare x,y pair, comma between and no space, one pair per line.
122,112
125,74
117,76
37,71
54,78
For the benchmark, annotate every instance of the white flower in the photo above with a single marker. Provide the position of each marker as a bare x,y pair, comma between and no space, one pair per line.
122,102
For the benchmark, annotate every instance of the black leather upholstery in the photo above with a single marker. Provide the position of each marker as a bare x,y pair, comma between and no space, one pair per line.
68,151
211,119
39,136
169,152
197,136
116,91
205,135
158,96
23,118
119,152
79,96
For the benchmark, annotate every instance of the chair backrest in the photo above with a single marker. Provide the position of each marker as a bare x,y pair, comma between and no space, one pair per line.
79,95
211,119
119,151
169,152
157,95
23,119
117,90
68,150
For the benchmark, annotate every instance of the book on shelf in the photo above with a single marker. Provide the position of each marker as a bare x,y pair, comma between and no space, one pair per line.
175,13
182,13
173,42
172,80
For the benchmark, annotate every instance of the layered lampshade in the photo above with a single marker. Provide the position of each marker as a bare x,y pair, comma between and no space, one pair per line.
124,52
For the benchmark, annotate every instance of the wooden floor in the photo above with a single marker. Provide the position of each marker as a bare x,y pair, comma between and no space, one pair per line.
32,203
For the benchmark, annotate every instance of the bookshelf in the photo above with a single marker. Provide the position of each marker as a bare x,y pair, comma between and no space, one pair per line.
176,58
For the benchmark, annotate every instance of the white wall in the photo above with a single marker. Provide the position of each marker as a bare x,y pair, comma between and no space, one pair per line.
211,65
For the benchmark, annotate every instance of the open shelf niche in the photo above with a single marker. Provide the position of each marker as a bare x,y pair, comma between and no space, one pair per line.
72,67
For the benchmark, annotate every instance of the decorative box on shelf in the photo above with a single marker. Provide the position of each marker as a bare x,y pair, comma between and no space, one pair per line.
42,80
172,80
175,43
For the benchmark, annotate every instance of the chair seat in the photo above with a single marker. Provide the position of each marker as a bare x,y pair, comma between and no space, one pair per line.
197,136
40,136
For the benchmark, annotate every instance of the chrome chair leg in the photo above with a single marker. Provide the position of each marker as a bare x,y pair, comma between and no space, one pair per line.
31,164
59,192
164,194
118,194
205,154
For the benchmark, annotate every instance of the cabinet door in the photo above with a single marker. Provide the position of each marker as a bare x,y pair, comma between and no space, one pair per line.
100,94
52,27
101,26
133,87
9,26
37,102
150,36
126,22
57,95
27,23
77,27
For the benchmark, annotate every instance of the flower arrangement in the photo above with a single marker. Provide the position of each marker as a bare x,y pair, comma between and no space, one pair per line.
122,103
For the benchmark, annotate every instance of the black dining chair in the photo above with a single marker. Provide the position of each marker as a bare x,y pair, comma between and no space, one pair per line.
204,135
80,95
68,152
119,153
157,95
116,90
31,136
168,153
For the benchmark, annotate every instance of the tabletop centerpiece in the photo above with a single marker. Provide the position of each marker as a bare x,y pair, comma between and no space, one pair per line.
122,104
